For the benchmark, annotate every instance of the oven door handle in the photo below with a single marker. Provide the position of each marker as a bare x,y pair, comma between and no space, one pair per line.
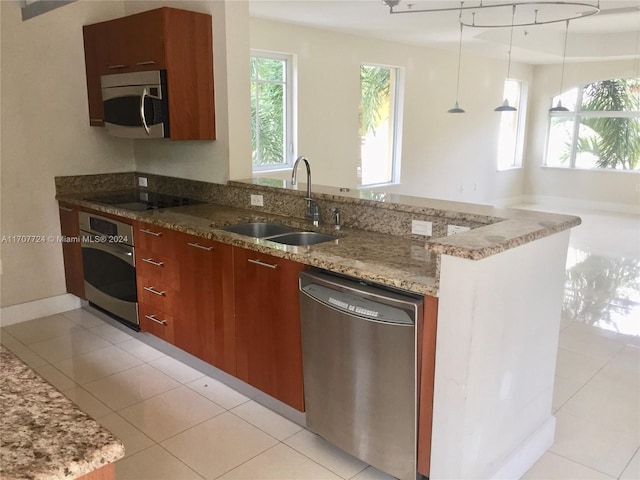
124,253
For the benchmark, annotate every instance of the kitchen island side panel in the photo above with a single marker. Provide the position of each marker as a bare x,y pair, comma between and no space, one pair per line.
497,338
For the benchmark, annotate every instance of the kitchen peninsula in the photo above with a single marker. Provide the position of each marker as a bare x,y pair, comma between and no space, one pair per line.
496,290
44,435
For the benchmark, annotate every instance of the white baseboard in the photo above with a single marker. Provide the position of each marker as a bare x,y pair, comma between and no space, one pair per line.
38,308
528,453
578,204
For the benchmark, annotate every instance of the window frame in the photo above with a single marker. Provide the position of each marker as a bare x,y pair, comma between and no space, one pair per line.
398,112
576,116
517,161
290,113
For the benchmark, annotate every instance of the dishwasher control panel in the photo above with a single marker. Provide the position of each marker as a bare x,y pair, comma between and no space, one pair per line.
357,305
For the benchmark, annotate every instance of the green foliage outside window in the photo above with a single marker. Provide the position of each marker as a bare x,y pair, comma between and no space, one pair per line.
603,131
268,111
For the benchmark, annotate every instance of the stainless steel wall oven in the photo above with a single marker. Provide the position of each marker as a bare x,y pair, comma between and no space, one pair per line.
109,267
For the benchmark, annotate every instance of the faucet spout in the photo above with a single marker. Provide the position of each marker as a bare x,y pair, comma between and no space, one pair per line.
312,207
294,173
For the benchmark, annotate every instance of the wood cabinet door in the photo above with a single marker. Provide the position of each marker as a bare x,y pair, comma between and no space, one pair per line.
157,323
95,61
426,370
206,327
137,42
269,352
72,250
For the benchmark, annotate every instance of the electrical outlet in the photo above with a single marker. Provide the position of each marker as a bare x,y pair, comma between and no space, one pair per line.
142,181
257,200
420,227
454,229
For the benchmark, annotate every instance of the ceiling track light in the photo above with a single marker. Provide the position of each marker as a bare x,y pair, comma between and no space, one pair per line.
456,108
592,8
559,107
505,107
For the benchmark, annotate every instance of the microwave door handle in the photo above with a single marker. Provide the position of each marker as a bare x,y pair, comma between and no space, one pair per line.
142,117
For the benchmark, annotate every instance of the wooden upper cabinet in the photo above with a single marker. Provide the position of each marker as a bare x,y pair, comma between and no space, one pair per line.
178,41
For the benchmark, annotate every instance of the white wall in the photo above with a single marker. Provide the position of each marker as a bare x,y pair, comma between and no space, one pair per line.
607,190
443,155
44,133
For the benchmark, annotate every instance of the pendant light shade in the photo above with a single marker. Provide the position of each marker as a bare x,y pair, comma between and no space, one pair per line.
505,107
559,107
456,108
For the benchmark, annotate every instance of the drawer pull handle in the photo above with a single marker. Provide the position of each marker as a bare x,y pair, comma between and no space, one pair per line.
258,262
146,62
154,319
154,291
153,262
201,247
65,209
151,232
96,119
116,66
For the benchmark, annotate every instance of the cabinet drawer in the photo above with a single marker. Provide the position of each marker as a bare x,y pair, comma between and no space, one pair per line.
156,323
164,270
157,296
155,240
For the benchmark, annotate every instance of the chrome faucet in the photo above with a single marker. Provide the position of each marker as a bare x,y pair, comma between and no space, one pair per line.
312,212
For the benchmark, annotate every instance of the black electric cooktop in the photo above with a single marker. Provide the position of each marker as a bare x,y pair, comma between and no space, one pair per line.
139,200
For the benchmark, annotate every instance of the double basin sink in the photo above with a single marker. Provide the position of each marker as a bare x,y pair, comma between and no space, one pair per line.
283,234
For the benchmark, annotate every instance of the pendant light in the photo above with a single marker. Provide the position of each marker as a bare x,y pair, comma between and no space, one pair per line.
559,107
505,107
456,108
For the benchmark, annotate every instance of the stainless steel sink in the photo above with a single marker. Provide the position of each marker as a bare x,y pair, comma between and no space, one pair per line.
259,229
302,238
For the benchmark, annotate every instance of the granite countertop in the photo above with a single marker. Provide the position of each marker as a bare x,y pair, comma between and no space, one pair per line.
376,257
399,261
44,435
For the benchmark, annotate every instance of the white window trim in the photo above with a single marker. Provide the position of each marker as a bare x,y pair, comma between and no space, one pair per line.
398,115
518,154
291,120
575,115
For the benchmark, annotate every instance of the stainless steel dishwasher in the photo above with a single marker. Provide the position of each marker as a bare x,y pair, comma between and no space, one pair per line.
359,356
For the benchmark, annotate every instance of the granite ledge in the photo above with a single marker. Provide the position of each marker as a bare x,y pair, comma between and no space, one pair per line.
380,258
44,435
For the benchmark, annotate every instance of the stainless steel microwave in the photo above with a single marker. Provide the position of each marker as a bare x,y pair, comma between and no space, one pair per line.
135,104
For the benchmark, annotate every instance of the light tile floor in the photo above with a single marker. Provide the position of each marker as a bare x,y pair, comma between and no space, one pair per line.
178,424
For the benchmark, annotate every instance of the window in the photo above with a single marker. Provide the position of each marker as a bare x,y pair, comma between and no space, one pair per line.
379,125
272,139
601,130
510,136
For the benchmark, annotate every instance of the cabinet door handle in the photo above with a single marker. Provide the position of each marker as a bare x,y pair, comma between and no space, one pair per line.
258,262
96,119
153,262
154,319
151,232
146,62
112,67
201,247
154,291
65,209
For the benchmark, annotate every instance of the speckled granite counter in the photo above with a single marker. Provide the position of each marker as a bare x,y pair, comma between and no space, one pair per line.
380,258
44,435
375,243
